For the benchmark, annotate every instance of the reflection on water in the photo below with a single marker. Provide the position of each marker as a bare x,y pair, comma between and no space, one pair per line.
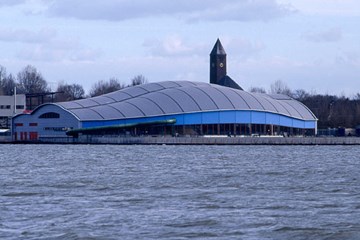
179,192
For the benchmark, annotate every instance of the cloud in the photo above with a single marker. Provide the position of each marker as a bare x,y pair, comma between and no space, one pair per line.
51,54
327,7
171,46
176,46
45,45
119,10
11,2
331,35
195,10
26,36
59,50
344,58
244,11
243,48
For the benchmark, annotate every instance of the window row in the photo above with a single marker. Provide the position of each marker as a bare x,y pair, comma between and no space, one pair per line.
231,130
9,107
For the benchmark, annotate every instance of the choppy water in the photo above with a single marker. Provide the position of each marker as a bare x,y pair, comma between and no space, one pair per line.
179,192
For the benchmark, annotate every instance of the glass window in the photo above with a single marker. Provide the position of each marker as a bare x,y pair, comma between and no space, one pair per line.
50,115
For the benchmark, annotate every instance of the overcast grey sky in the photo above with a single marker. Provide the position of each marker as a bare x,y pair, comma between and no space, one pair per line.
308,44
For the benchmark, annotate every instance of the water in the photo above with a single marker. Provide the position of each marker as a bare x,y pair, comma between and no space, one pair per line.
179,192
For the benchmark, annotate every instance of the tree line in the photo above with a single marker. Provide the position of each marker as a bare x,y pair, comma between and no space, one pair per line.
332,111
30,81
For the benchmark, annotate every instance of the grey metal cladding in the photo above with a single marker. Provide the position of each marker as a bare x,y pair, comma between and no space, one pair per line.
293,111
221,100
281,108
128,109
118,95
108,112
279,96
103,100
168,104
201,84
135,91
70,105
152,87
186,83
148,107
162,98
251,100
87,114
88,102
235,98
169,84
266,102
187,103
304,111
202,99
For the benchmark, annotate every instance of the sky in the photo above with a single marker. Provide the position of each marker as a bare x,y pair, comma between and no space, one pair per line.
308,44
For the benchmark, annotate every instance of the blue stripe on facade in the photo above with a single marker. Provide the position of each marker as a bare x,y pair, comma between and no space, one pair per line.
211,118
190,119
273,119
243,117
227,117
258,117
222,117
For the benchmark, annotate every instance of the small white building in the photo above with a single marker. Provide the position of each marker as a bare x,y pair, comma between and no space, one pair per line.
9,107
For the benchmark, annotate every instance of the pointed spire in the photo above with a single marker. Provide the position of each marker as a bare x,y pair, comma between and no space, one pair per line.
218,49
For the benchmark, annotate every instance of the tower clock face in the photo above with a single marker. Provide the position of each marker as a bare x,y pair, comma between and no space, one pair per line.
221,65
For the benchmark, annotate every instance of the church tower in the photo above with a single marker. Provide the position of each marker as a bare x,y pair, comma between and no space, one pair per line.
217,63
218,73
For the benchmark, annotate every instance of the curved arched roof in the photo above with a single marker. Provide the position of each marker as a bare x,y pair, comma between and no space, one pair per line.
176,97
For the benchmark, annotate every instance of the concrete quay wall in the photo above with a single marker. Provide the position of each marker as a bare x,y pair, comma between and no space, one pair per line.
220,140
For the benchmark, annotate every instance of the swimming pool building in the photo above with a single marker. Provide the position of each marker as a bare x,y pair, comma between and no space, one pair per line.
177,108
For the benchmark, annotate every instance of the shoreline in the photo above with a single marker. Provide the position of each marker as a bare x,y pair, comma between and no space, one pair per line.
165,140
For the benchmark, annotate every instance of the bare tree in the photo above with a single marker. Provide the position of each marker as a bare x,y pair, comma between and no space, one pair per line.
2,78
103,87
8,84
138,80
300,94
279,87
69,92
257,90
357,97
2,73
31,81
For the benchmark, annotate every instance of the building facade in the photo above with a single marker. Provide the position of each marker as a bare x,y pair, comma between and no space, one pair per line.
10,106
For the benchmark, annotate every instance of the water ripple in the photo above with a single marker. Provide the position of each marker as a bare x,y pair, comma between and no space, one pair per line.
179,192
